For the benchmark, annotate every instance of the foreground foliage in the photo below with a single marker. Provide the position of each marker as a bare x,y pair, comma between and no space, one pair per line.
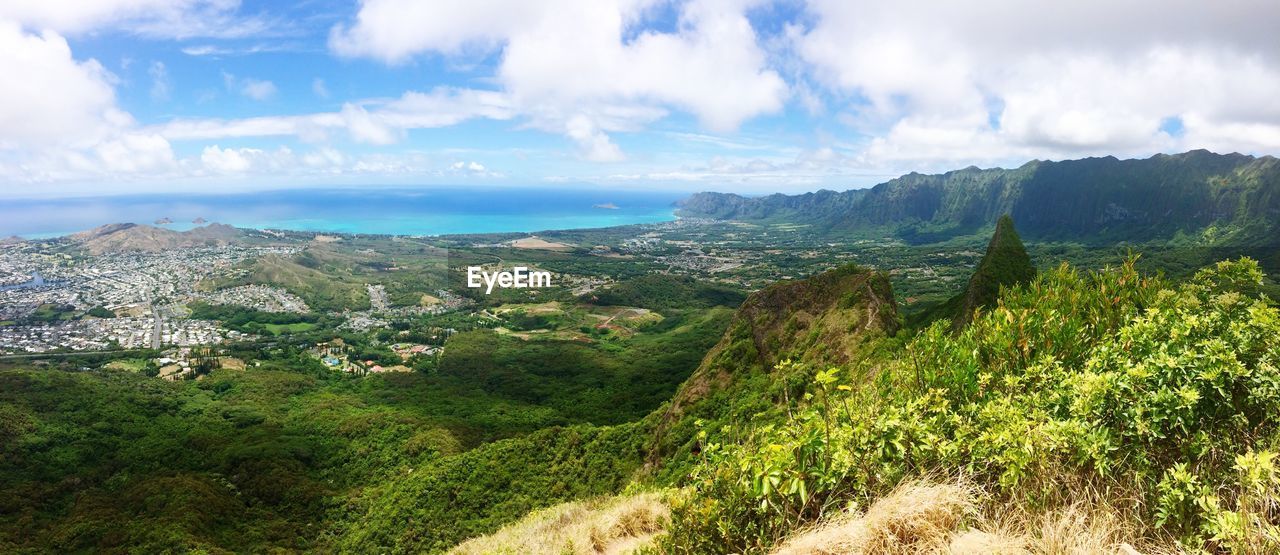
289,455
1156,401
1165,397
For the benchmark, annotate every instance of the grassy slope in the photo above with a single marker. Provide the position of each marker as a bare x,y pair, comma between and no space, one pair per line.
665,292
434,508
322,290
260,459
827,319
603,382
263,452
1124,391
1005,264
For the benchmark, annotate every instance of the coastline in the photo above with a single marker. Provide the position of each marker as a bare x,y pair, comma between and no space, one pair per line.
433,212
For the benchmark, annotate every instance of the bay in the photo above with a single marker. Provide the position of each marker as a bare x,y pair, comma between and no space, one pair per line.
407,211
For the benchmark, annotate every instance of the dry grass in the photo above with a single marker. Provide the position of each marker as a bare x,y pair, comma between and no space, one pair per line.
610,526
915,518
957,519
1075,529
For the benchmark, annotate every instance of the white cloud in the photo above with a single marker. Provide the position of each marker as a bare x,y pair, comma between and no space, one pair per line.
217,160
468,166
378,122
594,144
216,51
258,89
765,172
581,67
135,153
228,160
325,158
152,18
49,98
366,128
318,87
998,80
913,84
471,169
160,85
59,119
204,50
248,87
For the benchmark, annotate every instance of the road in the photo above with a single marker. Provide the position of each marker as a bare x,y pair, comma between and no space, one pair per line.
155,330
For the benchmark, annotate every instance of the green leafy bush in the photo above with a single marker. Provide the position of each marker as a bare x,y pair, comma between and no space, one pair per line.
1172,393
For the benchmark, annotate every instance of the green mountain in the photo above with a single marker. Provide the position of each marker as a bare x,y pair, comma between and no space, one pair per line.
825,320
1207,197
665,292
1005,264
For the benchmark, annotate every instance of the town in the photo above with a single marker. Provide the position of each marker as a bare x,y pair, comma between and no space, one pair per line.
58,297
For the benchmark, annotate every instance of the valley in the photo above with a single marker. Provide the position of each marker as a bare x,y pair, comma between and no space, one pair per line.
730,380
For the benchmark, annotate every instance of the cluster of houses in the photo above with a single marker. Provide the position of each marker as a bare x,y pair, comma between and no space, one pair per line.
336,354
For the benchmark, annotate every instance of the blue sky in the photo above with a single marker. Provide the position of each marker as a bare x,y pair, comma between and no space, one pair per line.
115,96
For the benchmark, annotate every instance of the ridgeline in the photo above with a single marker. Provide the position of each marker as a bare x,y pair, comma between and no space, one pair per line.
1196,196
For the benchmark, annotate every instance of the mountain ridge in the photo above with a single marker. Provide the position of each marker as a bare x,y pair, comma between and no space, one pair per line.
1005,264
1221,197
824,320
131,237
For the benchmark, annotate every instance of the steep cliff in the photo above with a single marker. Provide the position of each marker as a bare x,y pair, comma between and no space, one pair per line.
1197,195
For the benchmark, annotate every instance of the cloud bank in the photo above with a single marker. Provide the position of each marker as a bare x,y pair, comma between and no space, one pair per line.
817,91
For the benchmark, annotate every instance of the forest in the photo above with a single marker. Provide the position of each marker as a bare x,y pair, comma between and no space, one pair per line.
1123,401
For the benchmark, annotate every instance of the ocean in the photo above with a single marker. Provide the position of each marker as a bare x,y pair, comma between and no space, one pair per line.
422,211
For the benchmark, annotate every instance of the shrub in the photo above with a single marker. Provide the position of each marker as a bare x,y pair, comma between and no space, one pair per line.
1107,376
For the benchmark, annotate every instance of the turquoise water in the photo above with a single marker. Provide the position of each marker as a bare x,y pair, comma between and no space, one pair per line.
395,212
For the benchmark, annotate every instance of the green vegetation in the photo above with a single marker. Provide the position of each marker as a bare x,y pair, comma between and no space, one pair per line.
249,461
248,320
1005,264
100,312
323,279
664,292
1094,200
832,318
129,364
288,455
1140,390
439,505
1164,394
605,381
47,313
296,327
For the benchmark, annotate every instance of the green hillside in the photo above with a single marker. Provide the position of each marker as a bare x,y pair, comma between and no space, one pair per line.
828,319
1005,264
1195,196
1084,412
1080,408
291,456
664,291
1145,410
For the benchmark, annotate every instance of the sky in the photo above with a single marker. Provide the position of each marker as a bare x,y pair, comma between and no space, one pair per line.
129,96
